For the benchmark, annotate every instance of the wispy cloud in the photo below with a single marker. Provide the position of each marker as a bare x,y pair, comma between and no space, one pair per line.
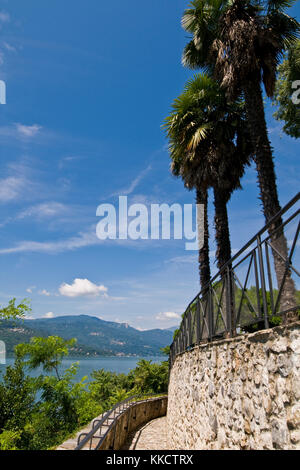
9,47
4,17
19,183
46,209
20,131
28,131
66,160
11,187
134,184
82,240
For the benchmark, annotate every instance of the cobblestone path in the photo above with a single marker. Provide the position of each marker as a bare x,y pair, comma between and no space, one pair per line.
151,436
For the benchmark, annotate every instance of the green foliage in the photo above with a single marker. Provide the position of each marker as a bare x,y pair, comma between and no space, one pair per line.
40,413
166,350
46,352
150,378
176,333
17,394
15,312
9,440
288,75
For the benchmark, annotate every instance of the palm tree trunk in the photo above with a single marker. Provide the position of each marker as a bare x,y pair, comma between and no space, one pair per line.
223,253
204,263
268,193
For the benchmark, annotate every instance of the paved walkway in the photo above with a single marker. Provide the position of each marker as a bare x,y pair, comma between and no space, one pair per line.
151,436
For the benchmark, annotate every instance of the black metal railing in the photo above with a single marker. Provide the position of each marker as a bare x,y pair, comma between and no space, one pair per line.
242,293
94,439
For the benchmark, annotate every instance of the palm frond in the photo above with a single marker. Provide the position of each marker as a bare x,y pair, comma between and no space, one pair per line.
279,5
199,135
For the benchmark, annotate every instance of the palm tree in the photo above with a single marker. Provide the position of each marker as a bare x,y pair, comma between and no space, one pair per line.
240,42
209,147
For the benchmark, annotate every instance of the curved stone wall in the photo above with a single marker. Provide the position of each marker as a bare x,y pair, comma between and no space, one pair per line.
132,418
240,393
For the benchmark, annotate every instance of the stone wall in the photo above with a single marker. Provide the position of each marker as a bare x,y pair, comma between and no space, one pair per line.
239,393
138,414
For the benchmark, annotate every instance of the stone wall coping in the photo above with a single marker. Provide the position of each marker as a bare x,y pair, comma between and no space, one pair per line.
258,336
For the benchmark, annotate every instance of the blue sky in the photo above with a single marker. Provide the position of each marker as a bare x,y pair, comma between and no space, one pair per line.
88,86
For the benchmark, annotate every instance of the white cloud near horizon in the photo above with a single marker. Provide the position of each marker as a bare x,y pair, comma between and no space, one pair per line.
49,315
82,287
167,316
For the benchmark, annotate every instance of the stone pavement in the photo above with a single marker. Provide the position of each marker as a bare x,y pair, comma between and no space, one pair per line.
151,436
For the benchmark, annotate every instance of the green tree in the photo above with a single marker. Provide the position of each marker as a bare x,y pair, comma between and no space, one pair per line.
105,383
39,413
287,96
240,42
150,377
17,403
166,350
46,352
15,312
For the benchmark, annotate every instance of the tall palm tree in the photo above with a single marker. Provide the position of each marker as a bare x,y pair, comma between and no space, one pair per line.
241,42
209,147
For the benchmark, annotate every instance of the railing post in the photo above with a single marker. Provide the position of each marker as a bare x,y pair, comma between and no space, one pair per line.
229,302
189,328
210,314
263,281
198,321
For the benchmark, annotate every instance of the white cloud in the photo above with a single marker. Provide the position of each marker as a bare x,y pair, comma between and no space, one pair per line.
19,132
80,241
48,209
82,287
18,182
164,316
49,315
9,47
28,131
30,289
11,187
44,292
134,183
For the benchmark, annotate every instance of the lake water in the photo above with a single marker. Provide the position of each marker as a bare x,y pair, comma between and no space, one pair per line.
87,366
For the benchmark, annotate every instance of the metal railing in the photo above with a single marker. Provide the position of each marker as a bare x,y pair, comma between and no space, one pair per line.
94,439
242,293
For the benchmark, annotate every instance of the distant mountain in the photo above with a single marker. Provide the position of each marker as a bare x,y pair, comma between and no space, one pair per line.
95,337
172,328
